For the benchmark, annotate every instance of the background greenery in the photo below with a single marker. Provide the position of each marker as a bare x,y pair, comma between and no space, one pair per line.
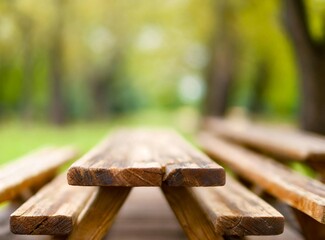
133,63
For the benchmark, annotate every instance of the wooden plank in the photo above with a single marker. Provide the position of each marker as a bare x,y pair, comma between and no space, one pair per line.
288,234
145,158
189,215
285,143
231,210
32,170
292,231
145,216
5,232
298,191
53,210
99,215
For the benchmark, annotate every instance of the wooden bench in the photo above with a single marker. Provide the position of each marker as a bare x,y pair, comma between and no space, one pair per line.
231,210
287,144
60,209
25,176
307,196
132,158
32,170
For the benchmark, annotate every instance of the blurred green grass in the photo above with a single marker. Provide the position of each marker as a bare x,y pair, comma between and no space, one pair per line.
19,138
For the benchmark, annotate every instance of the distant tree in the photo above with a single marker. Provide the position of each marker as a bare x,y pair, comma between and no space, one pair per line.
310,55
101,85
259,87
27,84
25,26
57,105
221,69
98,86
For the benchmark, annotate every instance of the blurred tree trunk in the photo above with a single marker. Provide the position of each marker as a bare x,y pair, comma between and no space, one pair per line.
25,26
99,86
57,106
102,84
221,70
311,63
27,84
257,101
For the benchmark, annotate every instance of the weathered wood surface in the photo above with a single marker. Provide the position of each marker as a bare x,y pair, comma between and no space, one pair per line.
300,192
5,233
145,158
98,216
190,216
288,234
231,210
287,144
53,210
146,216
32,170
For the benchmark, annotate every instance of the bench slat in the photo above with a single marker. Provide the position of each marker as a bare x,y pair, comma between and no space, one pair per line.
288,234
145,158
292,145
5,232
32,170
298,191
51,211
232,210
99,215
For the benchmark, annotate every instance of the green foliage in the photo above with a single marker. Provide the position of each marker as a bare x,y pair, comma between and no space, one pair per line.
263,40
316,15
129,45
139,52
303,169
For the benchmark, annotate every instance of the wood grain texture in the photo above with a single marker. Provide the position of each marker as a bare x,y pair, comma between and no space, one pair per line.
192,219
145,216
98,216
145,158
288,234
285,143
5,233
53,210
32,170
232,210
298,191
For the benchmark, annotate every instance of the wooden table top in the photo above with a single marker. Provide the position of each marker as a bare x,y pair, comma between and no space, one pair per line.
141,157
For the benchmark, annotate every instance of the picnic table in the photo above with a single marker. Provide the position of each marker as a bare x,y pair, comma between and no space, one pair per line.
127,167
